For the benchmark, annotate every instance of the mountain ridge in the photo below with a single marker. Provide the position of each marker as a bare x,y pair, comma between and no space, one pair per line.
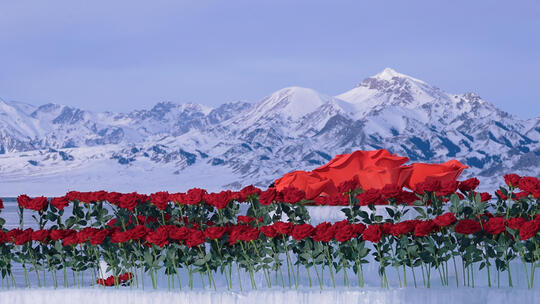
291,129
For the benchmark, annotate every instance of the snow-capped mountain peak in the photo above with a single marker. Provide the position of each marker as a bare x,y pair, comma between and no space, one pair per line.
389,74
293,102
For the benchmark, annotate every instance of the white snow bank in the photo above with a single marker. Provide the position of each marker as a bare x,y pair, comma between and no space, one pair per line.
409,295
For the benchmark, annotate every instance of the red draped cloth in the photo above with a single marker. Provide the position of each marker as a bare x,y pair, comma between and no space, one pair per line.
371,170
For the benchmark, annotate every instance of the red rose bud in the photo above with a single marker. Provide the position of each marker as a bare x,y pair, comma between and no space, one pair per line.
501,195
469,184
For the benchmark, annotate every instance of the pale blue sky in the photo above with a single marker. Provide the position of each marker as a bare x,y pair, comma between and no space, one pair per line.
122,55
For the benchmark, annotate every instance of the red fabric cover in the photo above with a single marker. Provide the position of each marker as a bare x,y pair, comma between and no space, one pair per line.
372,170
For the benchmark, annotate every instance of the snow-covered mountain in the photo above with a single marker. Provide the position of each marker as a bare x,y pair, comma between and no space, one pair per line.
176,146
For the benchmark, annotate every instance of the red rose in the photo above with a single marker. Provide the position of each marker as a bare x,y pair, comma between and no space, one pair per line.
371,196
323,232
528,230
195,238
59,234
267,197
24,237
219,200
70,240
292,195
129,201
247,192
484,197
269,231
60,202
469,184
243,233
40,235
113,198
139,232
495,225
424,228
386,228
529,184
99,237
159,237
243,219
358,228
512,180
345,233
445,220
391,191
1,204
195,196
372,233
515,222
38,203
467,227
347,186
448,188
250,234
519,195
214,233
430,185
120,237
283,228
302,231
179,233
406,198
85,234
160,199
403,228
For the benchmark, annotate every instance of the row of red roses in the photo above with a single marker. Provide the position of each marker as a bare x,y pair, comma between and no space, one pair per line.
528,185
324,232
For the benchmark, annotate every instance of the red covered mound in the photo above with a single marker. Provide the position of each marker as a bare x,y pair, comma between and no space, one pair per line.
371,170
